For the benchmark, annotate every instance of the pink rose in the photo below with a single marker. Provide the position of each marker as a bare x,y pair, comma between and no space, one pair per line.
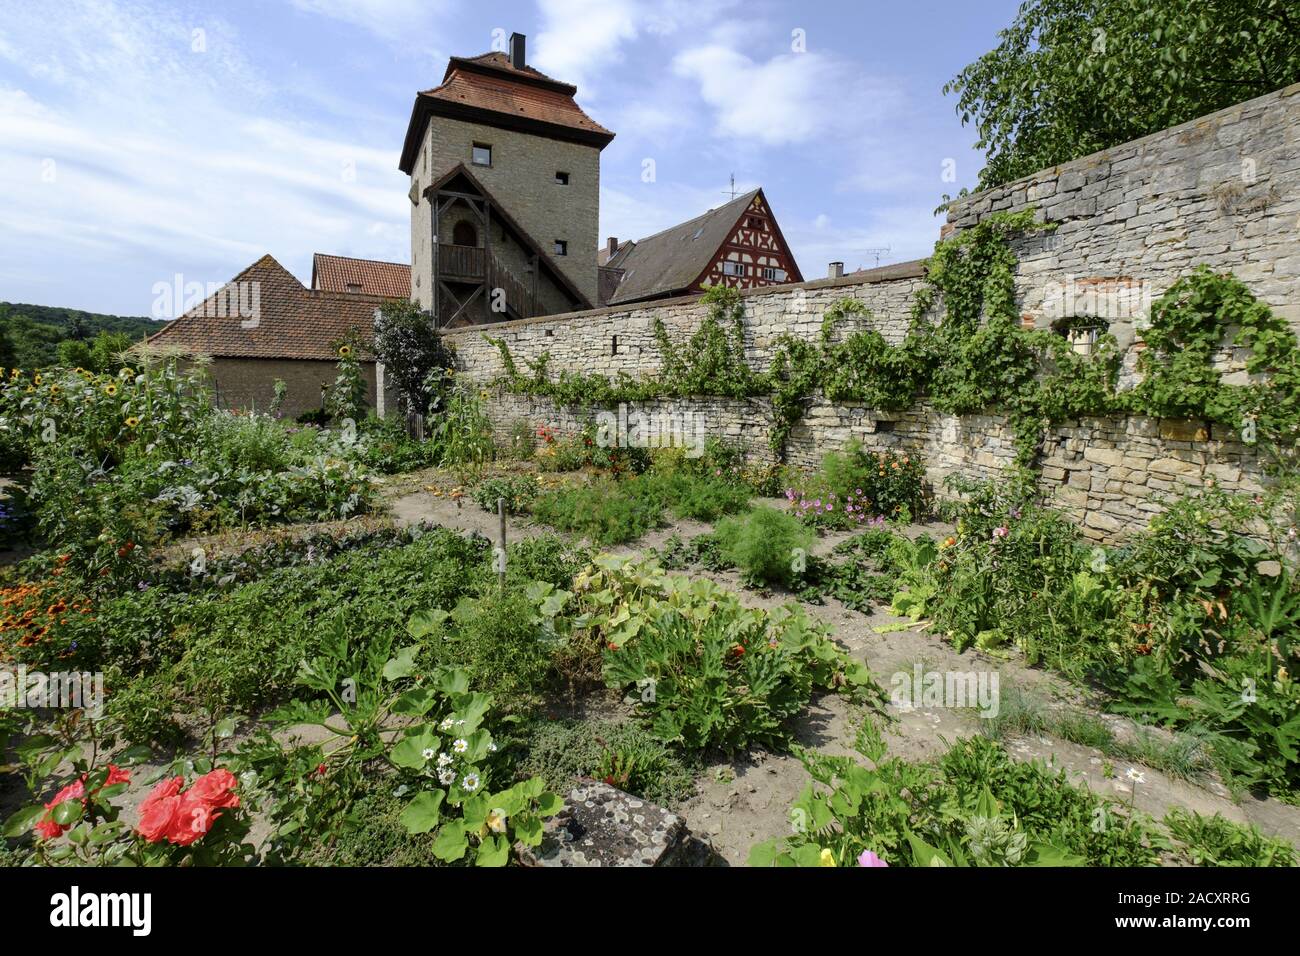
868,858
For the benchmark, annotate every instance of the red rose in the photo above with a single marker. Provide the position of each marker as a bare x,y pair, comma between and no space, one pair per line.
46,826
192,820
117,775
216,789
158,811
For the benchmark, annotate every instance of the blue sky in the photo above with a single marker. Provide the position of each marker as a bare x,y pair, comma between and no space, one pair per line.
141,139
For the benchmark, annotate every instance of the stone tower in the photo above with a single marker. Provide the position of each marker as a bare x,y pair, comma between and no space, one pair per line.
505,192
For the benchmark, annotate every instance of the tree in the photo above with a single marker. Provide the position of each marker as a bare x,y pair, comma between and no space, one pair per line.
409,346
1071,77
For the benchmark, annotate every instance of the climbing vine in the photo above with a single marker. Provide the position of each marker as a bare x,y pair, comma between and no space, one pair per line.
977,357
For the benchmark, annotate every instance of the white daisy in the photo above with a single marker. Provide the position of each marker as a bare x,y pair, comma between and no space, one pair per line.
446,724
428,753
469,783
447,777
461,745
1135,775
492,747
444,760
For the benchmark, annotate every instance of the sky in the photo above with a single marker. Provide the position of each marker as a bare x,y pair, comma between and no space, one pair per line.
145,145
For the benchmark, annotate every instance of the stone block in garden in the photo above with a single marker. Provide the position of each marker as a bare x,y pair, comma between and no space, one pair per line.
601,825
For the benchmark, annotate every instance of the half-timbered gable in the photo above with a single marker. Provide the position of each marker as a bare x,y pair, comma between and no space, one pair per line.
739,245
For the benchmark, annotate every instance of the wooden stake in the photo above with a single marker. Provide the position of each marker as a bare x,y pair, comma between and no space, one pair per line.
501,543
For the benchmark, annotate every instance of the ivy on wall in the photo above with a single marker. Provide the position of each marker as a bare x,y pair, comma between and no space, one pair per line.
978,357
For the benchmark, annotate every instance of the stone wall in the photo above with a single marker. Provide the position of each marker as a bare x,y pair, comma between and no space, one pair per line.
1109,474
1223,190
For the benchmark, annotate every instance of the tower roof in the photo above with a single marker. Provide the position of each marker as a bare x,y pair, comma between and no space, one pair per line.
491,90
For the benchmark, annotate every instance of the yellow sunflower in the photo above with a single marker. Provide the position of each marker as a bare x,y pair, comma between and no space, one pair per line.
132,421
110,389
345,351
38,379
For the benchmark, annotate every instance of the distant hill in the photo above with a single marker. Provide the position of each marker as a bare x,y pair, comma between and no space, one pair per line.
30,334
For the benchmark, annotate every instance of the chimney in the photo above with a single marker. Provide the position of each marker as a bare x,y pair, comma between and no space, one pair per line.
611,246
517,50
836,270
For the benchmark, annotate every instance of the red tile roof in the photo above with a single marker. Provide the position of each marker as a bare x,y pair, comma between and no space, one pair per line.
369,276
291,321
488,89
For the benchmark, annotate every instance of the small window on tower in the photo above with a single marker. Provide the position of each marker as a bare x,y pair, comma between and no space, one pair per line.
481,154
561,179
561,247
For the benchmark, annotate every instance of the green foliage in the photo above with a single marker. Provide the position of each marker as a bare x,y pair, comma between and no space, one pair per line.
1189,326
1070,77
975,806
605,511
37,334
517,492
703,670
1181,623
622,754
345,397
855,486
769,546
1214,841
409,346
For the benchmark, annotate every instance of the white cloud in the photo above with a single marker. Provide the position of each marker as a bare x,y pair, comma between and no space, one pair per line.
580,40
788,99
136,158
403,22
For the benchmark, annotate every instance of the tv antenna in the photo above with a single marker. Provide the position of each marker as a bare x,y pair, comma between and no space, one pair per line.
732,191
877,252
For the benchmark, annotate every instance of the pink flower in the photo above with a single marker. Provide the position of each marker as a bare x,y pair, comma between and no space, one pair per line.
1000,532
868,858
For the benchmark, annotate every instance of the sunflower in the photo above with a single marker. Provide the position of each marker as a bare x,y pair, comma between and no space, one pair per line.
126,373
345,351
54,390
110,389
132,421
38,378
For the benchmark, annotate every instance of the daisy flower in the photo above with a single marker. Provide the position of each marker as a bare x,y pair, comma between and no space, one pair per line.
428,753
447,777
469,783
461,745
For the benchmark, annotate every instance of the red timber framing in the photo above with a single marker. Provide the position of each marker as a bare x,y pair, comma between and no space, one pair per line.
756,250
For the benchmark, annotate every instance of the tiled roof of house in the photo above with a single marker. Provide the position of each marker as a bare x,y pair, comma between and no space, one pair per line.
489,89
290,321
368,276
668,262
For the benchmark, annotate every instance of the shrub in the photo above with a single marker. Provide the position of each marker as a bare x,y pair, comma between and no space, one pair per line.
703,670
975,806
769,546
517,490
622,754
606,511
855,486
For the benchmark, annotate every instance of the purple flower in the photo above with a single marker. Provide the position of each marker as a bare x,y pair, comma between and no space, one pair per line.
868,858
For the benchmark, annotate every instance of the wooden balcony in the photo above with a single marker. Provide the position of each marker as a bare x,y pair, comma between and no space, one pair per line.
461,262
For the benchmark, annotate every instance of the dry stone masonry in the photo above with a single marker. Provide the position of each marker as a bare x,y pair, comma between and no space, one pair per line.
1221,190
